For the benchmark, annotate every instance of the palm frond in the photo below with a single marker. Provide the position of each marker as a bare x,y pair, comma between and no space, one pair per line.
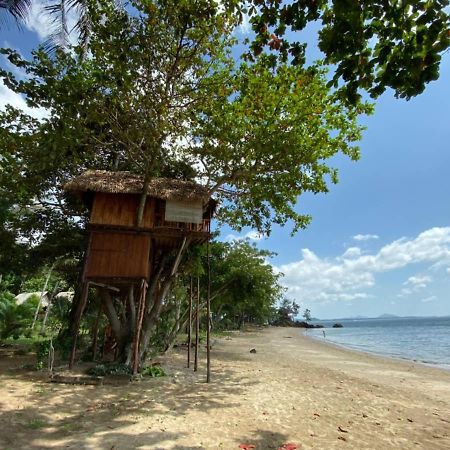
19,9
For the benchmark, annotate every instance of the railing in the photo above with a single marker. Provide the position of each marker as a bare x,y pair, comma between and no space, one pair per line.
205,226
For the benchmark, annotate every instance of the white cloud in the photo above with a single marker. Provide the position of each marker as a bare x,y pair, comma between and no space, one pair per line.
8,97
414,284
365,237
432,298
332,279
251,235
352,252
421,281
39,20
448,270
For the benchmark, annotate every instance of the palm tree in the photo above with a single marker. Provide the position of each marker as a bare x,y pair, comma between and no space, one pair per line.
17,8
58,11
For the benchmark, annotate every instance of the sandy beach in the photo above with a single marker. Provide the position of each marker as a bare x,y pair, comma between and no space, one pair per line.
292,390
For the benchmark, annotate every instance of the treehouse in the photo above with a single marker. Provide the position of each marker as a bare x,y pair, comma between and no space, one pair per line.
121,246
133,226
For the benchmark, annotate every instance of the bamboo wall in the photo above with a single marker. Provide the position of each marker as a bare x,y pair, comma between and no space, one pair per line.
118,255
121,210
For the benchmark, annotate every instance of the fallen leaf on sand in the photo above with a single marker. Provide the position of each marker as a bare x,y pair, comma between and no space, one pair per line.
317,414
288,446
342,430
247,446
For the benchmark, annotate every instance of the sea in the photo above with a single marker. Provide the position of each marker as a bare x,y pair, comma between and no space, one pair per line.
420,339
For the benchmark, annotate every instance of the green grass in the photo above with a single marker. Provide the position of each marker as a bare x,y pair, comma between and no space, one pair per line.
36,424
23,341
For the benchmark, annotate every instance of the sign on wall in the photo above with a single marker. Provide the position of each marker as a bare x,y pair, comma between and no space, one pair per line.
183,211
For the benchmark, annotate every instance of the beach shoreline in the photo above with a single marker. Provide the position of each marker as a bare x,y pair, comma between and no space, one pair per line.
349,347
293,389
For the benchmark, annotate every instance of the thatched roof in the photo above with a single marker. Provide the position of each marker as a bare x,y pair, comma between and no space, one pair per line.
128,183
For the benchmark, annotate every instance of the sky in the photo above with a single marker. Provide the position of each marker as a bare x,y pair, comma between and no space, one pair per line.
379,241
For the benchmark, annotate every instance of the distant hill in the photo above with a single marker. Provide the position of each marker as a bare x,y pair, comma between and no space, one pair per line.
388,316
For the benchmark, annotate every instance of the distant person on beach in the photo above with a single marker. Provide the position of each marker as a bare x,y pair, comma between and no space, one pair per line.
324,334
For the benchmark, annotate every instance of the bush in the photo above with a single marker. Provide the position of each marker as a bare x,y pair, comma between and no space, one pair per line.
153,371
42,350
102,370
15,319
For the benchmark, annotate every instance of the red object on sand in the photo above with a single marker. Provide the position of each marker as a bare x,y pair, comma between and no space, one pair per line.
247,446
288,447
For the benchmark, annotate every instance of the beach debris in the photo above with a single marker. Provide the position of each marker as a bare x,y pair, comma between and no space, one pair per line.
317,414
253,350
342,438
365,415
288,446
247,446
410,420
342,430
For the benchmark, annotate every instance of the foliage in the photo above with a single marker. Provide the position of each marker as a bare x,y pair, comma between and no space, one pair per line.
372,45
237,127
153,371
42,350
15,319
161,95
17,8
102,370
244,286
285,313
307,315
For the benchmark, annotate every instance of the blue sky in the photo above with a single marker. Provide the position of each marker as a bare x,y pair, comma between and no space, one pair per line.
391,208
379,241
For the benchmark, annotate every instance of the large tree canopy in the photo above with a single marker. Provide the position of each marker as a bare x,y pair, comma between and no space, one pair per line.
373,44
160,94
370,45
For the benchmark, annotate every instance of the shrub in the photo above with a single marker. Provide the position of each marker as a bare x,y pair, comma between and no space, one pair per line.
102,370
153,371
15,319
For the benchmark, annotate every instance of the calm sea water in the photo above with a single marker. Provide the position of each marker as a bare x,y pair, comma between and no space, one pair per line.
422,339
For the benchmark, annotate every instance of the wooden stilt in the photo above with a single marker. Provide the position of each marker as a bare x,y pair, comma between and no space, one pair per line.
208,314
191,287
197,325
140,318
83,301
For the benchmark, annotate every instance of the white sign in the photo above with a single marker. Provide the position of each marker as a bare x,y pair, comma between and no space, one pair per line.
182,211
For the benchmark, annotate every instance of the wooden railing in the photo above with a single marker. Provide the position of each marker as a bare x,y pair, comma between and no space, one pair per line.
205,226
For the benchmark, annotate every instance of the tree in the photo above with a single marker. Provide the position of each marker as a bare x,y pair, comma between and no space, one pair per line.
373,45
285,313
244,286
307,315
161,95
18,9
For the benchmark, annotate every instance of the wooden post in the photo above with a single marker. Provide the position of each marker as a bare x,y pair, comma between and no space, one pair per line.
197,325
83,301
208,314
191,287
140,318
